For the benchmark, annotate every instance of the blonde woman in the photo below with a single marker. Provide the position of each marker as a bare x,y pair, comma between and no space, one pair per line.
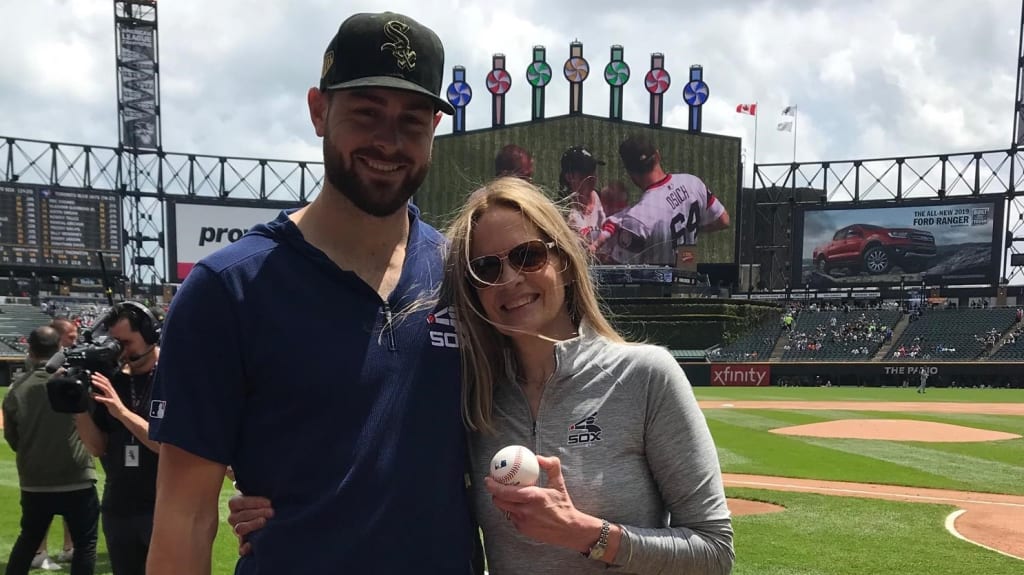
630,475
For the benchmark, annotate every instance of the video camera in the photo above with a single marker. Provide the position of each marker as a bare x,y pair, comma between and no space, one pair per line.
69,392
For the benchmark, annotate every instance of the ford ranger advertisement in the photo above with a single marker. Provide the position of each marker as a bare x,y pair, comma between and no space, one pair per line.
947,243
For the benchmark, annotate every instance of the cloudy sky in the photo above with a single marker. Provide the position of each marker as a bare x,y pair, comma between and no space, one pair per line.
870,78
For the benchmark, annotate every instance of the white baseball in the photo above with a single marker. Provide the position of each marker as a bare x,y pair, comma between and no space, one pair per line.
515,465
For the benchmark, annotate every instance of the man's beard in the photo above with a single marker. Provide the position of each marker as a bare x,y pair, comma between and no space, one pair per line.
367,197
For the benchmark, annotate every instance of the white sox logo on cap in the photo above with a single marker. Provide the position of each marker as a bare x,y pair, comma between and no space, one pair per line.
405,56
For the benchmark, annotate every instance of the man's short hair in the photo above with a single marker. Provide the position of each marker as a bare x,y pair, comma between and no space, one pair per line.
638,154
512,160
43,342
62,325
137,319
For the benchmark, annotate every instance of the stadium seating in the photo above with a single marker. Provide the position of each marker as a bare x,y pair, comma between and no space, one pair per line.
1012,349
952,334
855,336
755,345
16,322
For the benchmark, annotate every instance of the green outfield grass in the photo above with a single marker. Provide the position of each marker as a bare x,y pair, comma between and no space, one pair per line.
225,550
746,445
820,535
816,534
934,394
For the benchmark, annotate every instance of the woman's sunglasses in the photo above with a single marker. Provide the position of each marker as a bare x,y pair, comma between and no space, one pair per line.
531,256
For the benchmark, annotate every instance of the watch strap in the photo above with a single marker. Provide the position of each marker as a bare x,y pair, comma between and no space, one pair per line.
598,549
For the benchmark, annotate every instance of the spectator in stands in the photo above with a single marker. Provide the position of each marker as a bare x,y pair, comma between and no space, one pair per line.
118,433
55,471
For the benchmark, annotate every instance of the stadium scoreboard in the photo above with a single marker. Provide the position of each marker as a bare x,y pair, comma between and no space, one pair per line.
59,229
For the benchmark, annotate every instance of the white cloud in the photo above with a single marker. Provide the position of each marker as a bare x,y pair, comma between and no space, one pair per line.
871,78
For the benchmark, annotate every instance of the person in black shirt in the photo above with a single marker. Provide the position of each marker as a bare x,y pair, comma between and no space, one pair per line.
117,431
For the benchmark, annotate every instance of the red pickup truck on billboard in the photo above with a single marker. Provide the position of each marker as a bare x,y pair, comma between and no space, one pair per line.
876,249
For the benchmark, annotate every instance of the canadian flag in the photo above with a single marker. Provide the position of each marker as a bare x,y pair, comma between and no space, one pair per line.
747,109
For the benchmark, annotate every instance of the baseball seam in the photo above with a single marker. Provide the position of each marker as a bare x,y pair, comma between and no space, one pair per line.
512,471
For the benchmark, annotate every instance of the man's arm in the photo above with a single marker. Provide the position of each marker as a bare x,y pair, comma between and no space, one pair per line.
720,224
10,411
185,519
94,439
139,427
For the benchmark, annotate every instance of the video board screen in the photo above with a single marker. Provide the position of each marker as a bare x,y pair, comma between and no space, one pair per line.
577,161
59,229
951,242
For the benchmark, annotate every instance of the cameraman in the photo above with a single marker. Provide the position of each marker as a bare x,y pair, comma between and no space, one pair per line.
118,433
55,472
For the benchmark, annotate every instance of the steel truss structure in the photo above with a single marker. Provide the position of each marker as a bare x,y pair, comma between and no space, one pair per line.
939,176
145,181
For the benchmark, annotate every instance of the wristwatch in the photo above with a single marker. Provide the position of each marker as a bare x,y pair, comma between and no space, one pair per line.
597,551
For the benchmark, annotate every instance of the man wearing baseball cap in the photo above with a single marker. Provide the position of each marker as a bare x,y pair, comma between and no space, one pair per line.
673,210
296,357
578,182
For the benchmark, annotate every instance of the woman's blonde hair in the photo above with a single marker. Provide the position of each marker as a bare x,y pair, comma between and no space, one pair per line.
486,353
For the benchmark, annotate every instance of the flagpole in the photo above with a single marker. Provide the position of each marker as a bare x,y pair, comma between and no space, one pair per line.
796,114
753,167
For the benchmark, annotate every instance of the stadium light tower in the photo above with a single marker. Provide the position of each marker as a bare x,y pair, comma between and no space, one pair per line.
138,85
139,129
1018,112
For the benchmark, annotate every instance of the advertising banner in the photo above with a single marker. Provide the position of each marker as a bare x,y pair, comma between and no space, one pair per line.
741,374
947,242
137,72
201,229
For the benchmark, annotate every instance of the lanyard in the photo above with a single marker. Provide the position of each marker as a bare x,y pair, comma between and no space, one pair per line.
137,397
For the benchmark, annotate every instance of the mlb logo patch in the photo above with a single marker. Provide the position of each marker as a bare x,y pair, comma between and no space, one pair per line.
157,408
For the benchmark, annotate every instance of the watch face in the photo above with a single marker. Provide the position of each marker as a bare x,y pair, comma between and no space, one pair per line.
597,552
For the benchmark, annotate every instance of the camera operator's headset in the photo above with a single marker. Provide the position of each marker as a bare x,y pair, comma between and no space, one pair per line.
146,322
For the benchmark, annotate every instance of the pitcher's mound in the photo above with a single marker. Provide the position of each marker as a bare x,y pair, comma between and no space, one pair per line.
748,507
895,430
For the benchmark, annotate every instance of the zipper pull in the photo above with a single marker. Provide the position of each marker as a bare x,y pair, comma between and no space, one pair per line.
534,428
392,345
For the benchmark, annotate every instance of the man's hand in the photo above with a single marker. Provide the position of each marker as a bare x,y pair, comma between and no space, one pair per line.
248,514
103,393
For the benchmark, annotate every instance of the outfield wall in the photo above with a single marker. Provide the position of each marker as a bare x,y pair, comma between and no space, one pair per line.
867,374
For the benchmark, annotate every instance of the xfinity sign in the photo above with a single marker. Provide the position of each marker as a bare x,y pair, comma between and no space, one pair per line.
201,229
740,375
